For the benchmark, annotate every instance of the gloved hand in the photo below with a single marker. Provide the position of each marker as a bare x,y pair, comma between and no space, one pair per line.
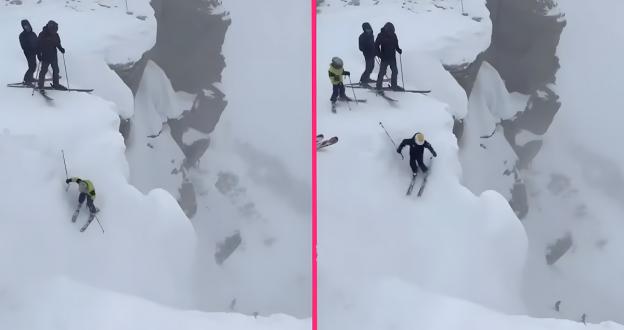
398,151
39,57
62,50
347,73
68,181
399,50
435,154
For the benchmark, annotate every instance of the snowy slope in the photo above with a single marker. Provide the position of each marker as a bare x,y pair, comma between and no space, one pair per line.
396,262
140,272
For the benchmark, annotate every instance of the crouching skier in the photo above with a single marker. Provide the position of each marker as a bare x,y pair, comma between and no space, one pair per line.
87,191
417,145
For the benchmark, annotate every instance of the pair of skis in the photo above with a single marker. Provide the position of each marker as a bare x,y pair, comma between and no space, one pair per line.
42,91
382,94
413,182
322,143
424,183
333,106
389,89
91,217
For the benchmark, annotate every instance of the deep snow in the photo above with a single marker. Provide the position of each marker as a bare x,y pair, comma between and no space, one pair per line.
140,273
449,259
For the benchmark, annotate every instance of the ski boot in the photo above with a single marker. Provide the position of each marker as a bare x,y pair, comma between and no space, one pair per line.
59,87
397,88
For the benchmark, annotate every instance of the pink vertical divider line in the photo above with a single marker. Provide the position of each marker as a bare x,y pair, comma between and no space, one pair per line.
314,181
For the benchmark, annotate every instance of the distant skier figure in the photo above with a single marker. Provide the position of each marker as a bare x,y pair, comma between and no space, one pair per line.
48,42
386,45
87,191
336,72
367,47
28,41
417,145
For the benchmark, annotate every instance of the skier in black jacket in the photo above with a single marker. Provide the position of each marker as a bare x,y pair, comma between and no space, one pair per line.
386,45
417,145
48,42
367,47
28,41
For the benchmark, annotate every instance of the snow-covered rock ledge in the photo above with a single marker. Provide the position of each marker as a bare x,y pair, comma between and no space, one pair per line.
449,259
139,273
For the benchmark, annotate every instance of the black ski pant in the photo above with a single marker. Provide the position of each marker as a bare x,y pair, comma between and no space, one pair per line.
89,199
339,90
421,164
32,67
383,66
44,69
370,65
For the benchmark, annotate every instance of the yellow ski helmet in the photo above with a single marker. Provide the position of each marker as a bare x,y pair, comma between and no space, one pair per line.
419,138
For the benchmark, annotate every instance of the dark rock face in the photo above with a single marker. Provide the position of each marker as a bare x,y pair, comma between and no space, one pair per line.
523,51
188,49
524,43
188,43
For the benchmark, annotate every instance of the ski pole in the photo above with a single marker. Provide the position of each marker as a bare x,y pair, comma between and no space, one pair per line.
348,105
462,7
65,164
98,221
390,137
353,89
402,77
35,84
66,76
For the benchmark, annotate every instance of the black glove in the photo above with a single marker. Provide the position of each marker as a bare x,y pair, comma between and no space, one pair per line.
68,181
398,151
435,154
39,57
399,50
62,50
347,73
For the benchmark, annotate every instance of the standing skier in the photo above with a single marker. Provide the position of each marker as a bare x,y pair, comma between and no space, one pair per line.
28,41
87,191
48,42
417,145
386,45
336,72
367,47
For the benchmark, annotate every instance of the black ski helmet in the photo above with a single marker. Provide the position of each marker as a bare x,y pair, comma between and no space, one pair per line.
26,24
389,27
366,27
52,26
336,62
